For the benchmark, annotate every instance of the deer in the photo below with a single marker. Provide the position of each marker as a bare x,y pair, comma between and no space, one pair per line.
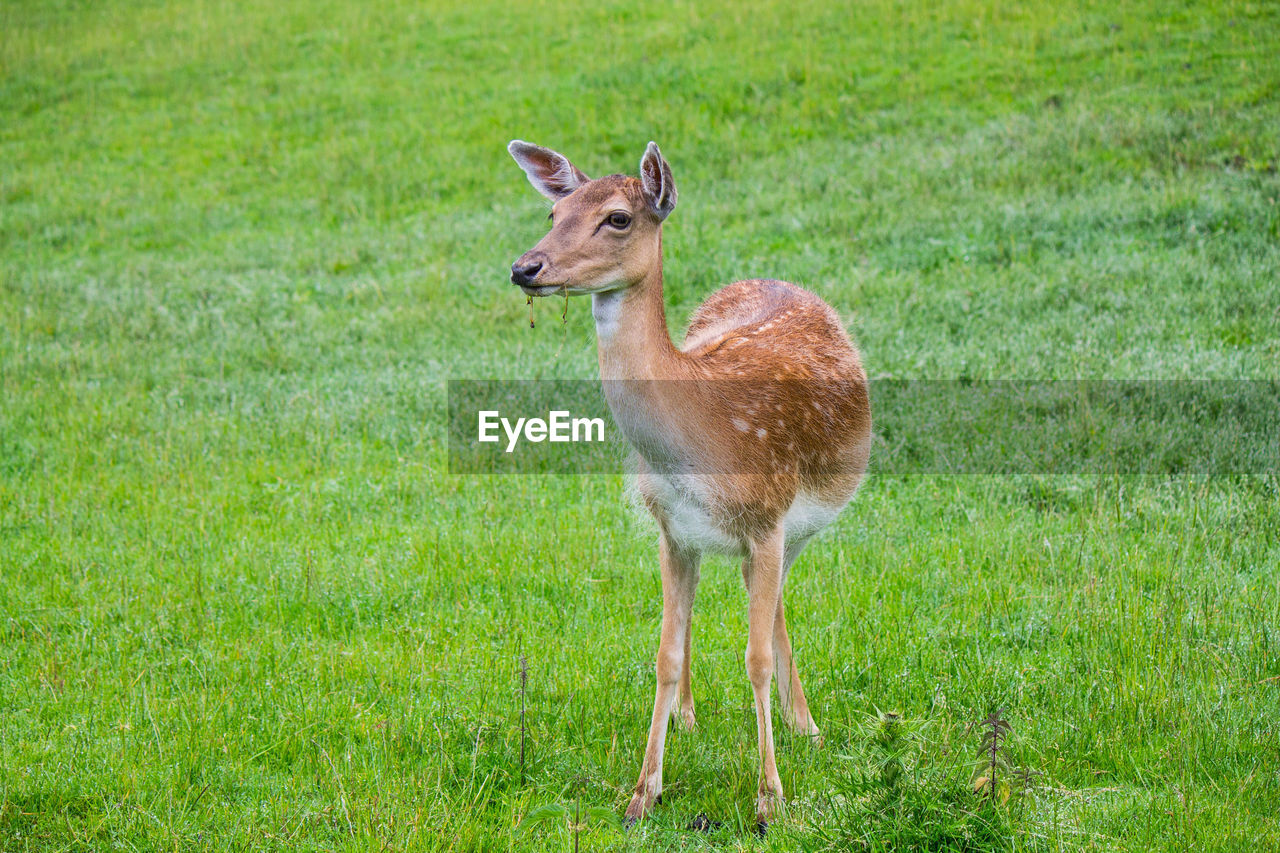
749,438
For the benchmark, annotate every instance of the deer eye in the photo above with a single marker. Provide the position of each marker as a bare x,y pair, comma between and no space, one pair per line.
618,220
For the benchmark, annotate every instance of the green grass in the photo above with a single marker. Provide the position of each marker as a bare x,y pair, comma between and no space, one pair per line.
243,246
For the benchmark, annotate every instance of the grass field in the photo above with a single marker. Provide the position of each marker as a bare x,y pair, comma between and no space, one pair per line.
244,606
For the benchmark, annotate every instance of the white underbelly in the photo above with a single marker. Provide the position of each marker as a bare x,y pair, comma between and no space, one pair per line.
691,522
807,516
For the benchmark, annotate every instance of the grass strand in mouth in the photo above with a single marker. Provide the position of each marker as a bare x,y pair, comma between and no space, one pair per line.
564,321
564,314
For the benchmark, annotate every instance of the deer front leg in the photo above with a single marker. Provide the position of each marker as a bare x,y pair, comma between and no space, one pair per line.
679,580
763,574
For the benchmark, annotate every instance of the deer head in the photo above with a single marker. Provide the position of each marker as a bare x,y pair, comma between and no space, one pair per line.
605,234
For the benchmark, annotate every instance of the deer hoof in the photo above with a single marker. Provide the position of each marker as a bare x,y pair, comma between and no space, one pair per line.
768,808
642,802
808,729
684,716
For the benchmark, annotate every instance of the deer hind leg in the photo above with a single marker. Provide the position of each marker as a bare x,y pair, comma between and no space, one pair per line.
795,708
682,709
762,572
679,580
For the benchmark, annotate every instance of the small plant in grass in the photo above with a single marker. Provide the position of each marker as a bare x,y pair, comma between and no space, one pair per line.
524,685
1025,780
906,790
995,776
892,740
574,816
993,771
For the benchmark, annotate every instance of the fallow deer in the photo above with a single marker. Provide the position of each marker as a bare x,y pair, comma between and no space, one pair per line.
751,437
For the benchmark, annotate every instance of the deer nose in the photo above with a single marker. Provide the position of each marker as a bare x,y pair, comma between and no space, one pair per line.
525,271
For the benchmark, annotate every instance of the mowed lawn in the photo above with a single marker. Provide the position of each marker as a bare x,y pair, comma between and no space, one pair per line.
243,246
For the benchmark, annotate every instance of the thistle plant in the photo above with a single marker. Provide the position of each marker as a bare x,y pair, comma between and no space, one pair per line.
892,740
890,746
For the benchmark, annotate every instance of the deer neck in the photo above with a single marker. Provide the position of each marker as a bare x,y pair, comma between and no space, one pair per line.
631,331
641,369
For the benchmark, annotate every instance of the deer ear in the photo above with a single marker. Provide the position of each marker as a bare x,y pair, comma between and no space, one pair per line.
655,178
550,173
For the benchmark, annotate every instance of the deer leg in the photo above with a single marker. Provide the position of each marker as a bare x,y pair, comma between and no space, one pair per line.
795,708
762,571
679,580
682,709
